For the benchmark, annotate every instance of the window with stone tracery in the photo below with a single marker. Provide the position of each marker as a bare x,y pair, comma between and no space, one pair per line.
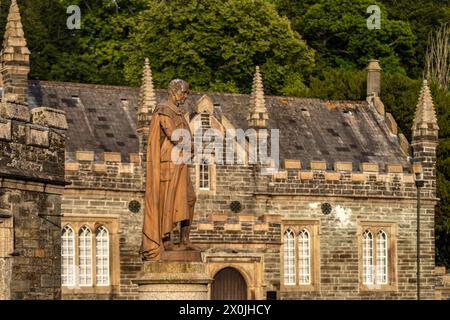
85,256
300,255
378,247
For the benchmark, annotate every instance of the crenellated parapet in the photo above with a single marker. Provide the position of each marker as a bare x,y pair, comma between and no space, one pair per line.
346,179
223,227
107,170
32,143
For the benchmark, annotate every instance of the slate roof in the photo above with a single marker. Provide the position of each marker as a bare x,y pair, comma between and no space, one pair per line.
103,118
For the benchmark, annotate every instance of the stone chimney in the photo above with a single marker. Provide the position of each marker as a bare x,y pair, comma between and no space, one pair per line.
373,78
15,59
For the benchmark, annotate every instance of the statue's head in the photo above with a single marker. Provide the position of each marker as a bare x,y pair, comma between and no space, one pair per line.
178,90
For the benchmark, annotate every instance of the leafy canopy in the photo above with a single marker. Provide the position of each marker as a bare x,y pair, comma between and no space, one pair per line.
215,45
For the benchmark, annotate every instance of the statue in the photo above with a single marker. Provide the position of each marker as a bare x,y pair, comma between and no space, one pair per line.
169,194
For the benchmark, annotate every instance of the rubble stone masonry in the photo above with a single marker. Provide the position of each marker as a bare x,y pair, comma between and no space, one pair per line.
106,187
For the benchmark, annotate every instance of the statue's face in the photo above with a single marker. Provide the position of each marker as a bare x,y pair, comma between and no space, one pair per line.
180,96
183,96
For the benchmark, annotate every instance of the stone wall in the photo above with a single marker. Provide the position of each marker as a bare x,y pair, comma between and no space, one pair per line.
250,240
5,278
442,284
101,188
365,195
36,258
32,148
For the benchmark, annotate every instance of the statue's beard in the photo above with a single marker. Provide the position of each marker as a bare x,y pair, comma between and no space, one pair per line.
179,102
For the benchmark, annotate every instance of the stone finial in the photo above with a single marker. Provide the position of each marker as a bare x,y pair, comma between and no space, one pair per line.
15,59
425,120
258,114
147,99
373,78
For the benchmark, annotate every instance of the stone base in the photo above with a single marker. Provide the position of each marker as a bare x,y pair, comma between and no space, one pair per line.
172,280
182,256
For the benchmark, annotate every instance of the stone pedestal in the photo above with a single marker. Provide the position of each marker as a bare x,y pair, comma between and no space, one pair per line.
176,279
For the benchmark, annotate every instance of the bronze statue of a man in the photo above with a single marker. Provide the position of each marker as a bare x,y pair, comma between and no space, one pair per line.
169,194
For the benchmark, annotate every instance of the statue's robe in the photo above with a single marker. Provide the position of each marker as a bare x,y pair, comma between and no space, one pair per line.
169,194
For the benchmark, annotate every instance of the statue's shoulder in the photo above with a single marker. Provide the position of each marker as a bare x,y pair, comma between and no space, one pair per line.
163,108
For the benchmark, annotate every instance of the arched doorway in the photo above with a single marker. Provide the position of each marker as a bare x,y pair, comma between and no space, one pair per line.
229,284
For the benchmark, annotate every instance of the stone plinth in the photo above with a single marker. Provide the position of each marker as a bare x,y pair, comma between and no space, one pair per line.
173,280
182,256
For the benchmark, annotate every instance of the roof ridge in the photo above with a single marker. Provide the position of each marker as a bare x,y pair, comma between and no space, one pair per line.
137,89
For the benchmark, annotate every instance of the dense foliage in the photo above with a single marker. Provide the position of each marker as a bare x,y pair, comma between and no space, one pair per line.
305,48
216,44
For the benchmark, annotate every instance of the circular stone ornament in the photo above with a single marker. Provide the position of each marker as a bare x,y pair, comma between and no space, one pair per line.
134,206
326,208
236,206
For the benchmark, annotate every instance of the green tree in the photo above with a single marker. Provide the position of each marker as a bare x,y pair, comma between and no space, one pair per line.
215,45
443,208
338,30
99,55
44,23
338,84
442,102
295,10
423,16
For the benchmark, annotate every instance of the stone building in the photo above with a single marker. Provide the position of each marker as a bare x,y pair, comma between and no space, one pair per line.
336,221
32,140
442,284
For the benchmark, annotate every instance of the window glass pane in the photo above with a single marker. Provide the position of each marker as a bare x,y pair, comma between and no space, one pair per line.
304,257
368,258
289,258
67,256
102,256
382,258
85,256
204,175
